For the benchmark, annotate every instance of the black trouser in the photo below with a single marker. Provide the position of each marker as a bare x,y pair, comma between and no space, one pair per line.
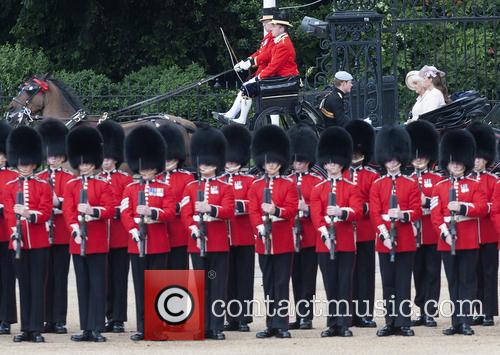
240,282
396,285
178,259
90,274
276,272
139,265
8,308
116,298
337,278
427,277
461,274
216,269
56,291
363,281
304,269
31,271
487,279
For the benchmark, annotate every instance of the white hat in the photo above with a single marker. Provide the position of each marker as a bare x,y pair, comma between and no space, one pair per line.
430,71
343,75
412,79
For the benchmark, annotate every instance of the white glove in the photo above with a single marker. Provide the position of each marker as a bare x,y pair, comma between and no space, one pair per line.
245,64
77,235
261,230
324,235
387,243
195,232
135,235
449,239
237,66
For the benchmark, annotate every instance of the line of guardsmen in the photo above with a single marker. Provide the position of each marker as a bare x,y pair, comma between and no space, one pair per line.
220,216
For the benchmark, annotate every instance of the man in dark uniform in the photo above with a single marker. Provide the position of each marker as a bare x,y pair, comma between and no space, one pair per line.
271,153
118,260
305,261
8,309
333,106
54,134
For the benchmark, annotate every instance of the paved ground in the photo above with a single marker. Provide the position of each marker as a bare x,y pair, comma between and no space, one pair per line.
427,340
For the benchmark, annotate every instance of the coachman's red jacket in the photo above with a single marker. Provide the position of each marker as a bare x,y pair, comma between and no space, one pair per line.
262,56
282,61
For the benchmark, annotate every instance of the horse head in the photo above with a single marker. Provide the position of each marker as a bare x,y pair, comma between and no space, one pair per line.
29,101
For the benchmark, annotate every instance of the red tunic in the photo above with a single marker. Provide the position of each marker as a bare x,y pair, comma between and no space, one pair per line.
285,198
427,180
409,202
470,194
282,61
363,177
101,198
6,175
220,196
160,199
349,200
177,181
59,178
495,210
263,54
38,199
487,232
117,235
307,182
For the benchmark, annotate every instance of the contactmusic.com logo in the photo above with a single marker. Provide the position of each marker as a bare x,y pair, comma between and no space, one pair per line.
174,304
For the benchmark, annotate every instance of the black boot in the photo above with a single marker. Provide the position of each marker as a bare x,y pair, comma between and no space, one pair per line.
86,335
418,322
430,322
365,322
108,328
4,328
329,332
465,329
36,337
137,336
118,327
283,333
49,327
294,325
60,328
24,336
266,333
451,330
386,330
97,337
231,326
344,332
218,335
488,321
305,324
405,331
243,327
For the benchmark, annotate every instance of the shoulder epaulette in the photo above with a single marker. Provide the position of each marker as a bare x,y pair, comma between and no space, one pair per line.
442,181
100,178
76,178
408,178
132,183
122,172
39,180
370,169
12,181
320,183
225,183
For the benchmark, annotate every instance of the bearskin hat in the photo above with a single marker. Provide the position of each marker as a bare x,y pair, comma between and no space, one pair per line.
24,147
303,143
457,145
363,138
392,142
5,129
84,146
145,149
53,133
174,138
335,146
424,140
486,141
271,144
208,146
113,137
238,141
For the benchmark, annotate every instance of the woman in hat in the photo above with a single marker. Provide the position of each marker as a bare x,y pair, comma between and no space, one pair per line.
415,83
336,256
457,222
208,150
435,93
85,154
145,153
24,152
54,132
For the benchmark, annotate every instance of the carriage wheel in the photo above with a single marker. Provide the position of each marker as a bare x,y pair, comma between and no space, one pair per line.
286,120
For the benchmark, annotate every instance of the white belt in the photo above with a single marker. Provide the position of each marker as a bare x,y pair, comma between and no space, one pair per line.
273,219
426,211
459,219
206,218
146,220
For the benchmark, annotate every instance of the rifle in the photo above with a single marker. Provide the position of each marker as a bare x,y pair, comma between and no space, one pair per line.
202,226
141,200
332,201
393,232
297,226
18,235
81,218
268,224
50,223
418,224
453,221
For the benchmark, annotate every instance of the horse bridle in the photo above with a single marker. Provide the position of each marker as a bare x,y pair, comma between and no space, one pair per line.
34,88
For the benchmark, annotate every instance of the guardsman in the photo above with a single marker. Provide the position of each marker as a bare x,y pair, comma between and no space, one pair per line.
207,220
273,207
303,141
54,134
26,219
177,178
334,105
8,309
144,219
118,259
487,267
363,176
89,202
395,203
427,265
259,59
241,239
333,218
456,221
